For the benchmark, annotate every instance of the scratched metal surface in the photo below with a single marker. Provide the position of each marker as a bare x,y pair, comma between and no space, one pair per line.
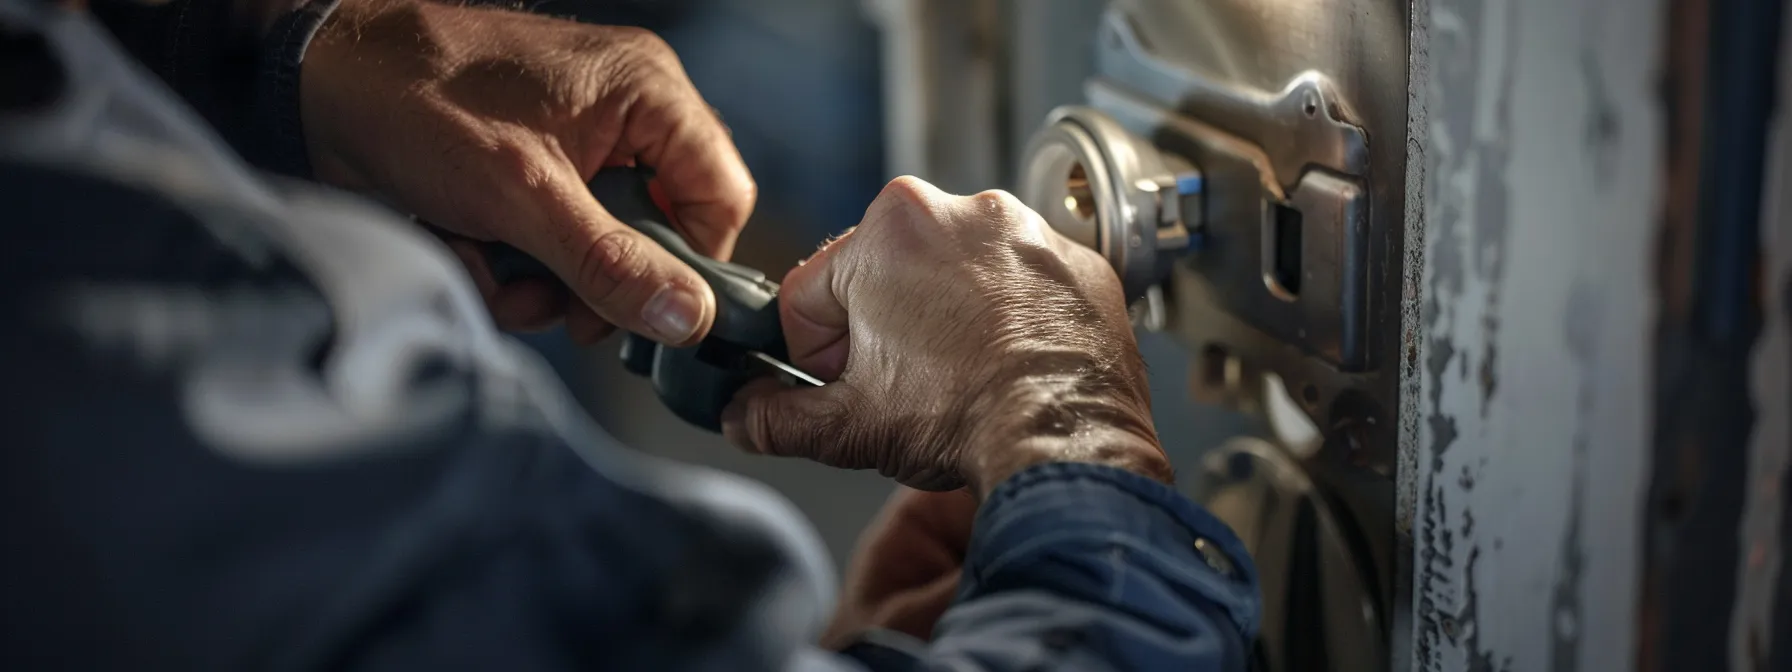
1538,163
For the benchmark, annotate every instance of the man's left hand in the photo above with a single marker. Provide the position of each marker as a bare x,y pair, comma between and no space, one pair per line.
907,566
488,122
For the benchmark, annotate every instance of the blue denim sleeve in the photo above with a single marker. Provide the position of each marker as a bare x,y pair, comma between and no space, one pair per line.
1084,567
244,82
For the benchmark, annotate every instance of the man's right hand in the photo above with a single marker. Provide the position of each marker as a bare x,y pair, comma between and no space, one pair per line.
965,340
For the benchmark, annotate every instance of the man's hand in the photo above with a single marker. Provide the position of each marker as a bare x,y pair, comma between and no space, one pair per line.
966,340
488,122
907,566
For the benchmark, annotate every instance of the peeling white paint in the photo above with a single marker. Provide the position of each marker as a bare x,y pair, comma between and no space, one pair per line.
1544,160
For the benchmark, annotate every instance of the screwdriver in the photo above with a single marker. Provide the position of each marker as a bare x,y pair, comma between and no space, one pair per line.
745,341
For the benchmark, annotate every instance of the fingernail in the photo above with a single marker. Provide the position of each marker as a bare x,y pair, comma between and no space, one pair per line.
673,313
734,426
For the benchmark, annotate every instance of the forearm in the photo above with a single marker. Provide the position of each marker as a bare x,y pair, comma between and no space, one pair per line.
236,62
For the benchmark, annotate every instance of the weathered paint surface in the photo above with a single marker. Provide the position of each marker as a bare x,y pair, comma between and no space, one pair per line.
1541,162
1412,325
1762,538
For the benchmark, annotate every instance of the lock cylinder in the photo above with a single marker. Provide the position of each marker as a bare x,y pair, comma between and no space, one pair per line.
1104,187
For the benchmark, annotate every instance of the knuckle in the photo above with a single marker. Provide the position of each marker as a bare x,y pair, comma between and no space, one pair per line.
610,263
848,402
643,41
1000,202
749,195
1007,215
865,439
787,427
775,430
737,210
759,426
907,192
908,208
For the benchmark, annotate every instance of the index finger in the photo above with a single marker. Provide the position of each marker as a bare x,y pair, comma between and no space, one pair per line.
814,314
707,186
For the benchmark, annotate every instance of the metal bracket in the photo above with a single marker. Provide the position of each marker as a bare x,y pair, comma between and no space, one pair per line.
1324,308
1302,125
1319,600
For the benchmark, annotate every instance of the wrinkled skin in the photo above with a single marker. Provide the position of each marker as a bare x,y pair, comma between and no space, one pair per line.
487,123
965,340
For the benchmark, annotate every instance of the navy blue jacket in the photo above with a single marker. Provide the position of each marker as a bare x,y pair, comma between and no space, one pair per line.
258,424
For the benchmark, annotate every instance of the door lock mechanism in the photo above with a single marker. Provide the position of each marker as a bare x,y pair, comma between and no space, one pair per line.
1260,195
1228,181
1107,189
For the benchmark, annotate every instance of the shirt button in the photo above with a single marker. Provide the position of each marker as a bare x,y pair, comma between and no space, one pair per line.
1210,552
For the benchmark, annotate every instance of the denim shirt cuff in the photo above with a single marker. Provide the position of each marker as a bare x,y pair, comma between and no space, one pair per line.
277,105
1061,504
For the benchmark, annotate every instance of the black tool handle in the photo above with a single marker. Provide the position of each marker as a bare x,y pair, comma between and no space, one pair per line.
695,382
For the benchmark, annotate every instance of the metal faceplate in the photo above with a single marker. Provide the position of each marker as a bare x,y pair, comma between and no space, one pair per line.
1292,115
1318,611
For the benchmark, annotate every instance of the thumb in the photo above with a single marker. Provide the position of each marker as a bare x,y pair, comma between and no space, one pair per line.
624,276
768,418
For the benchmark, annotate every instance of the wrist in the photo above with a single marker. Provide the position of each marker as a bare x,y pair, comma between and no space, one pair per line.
1066,417
1118,449
261,17
350,72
